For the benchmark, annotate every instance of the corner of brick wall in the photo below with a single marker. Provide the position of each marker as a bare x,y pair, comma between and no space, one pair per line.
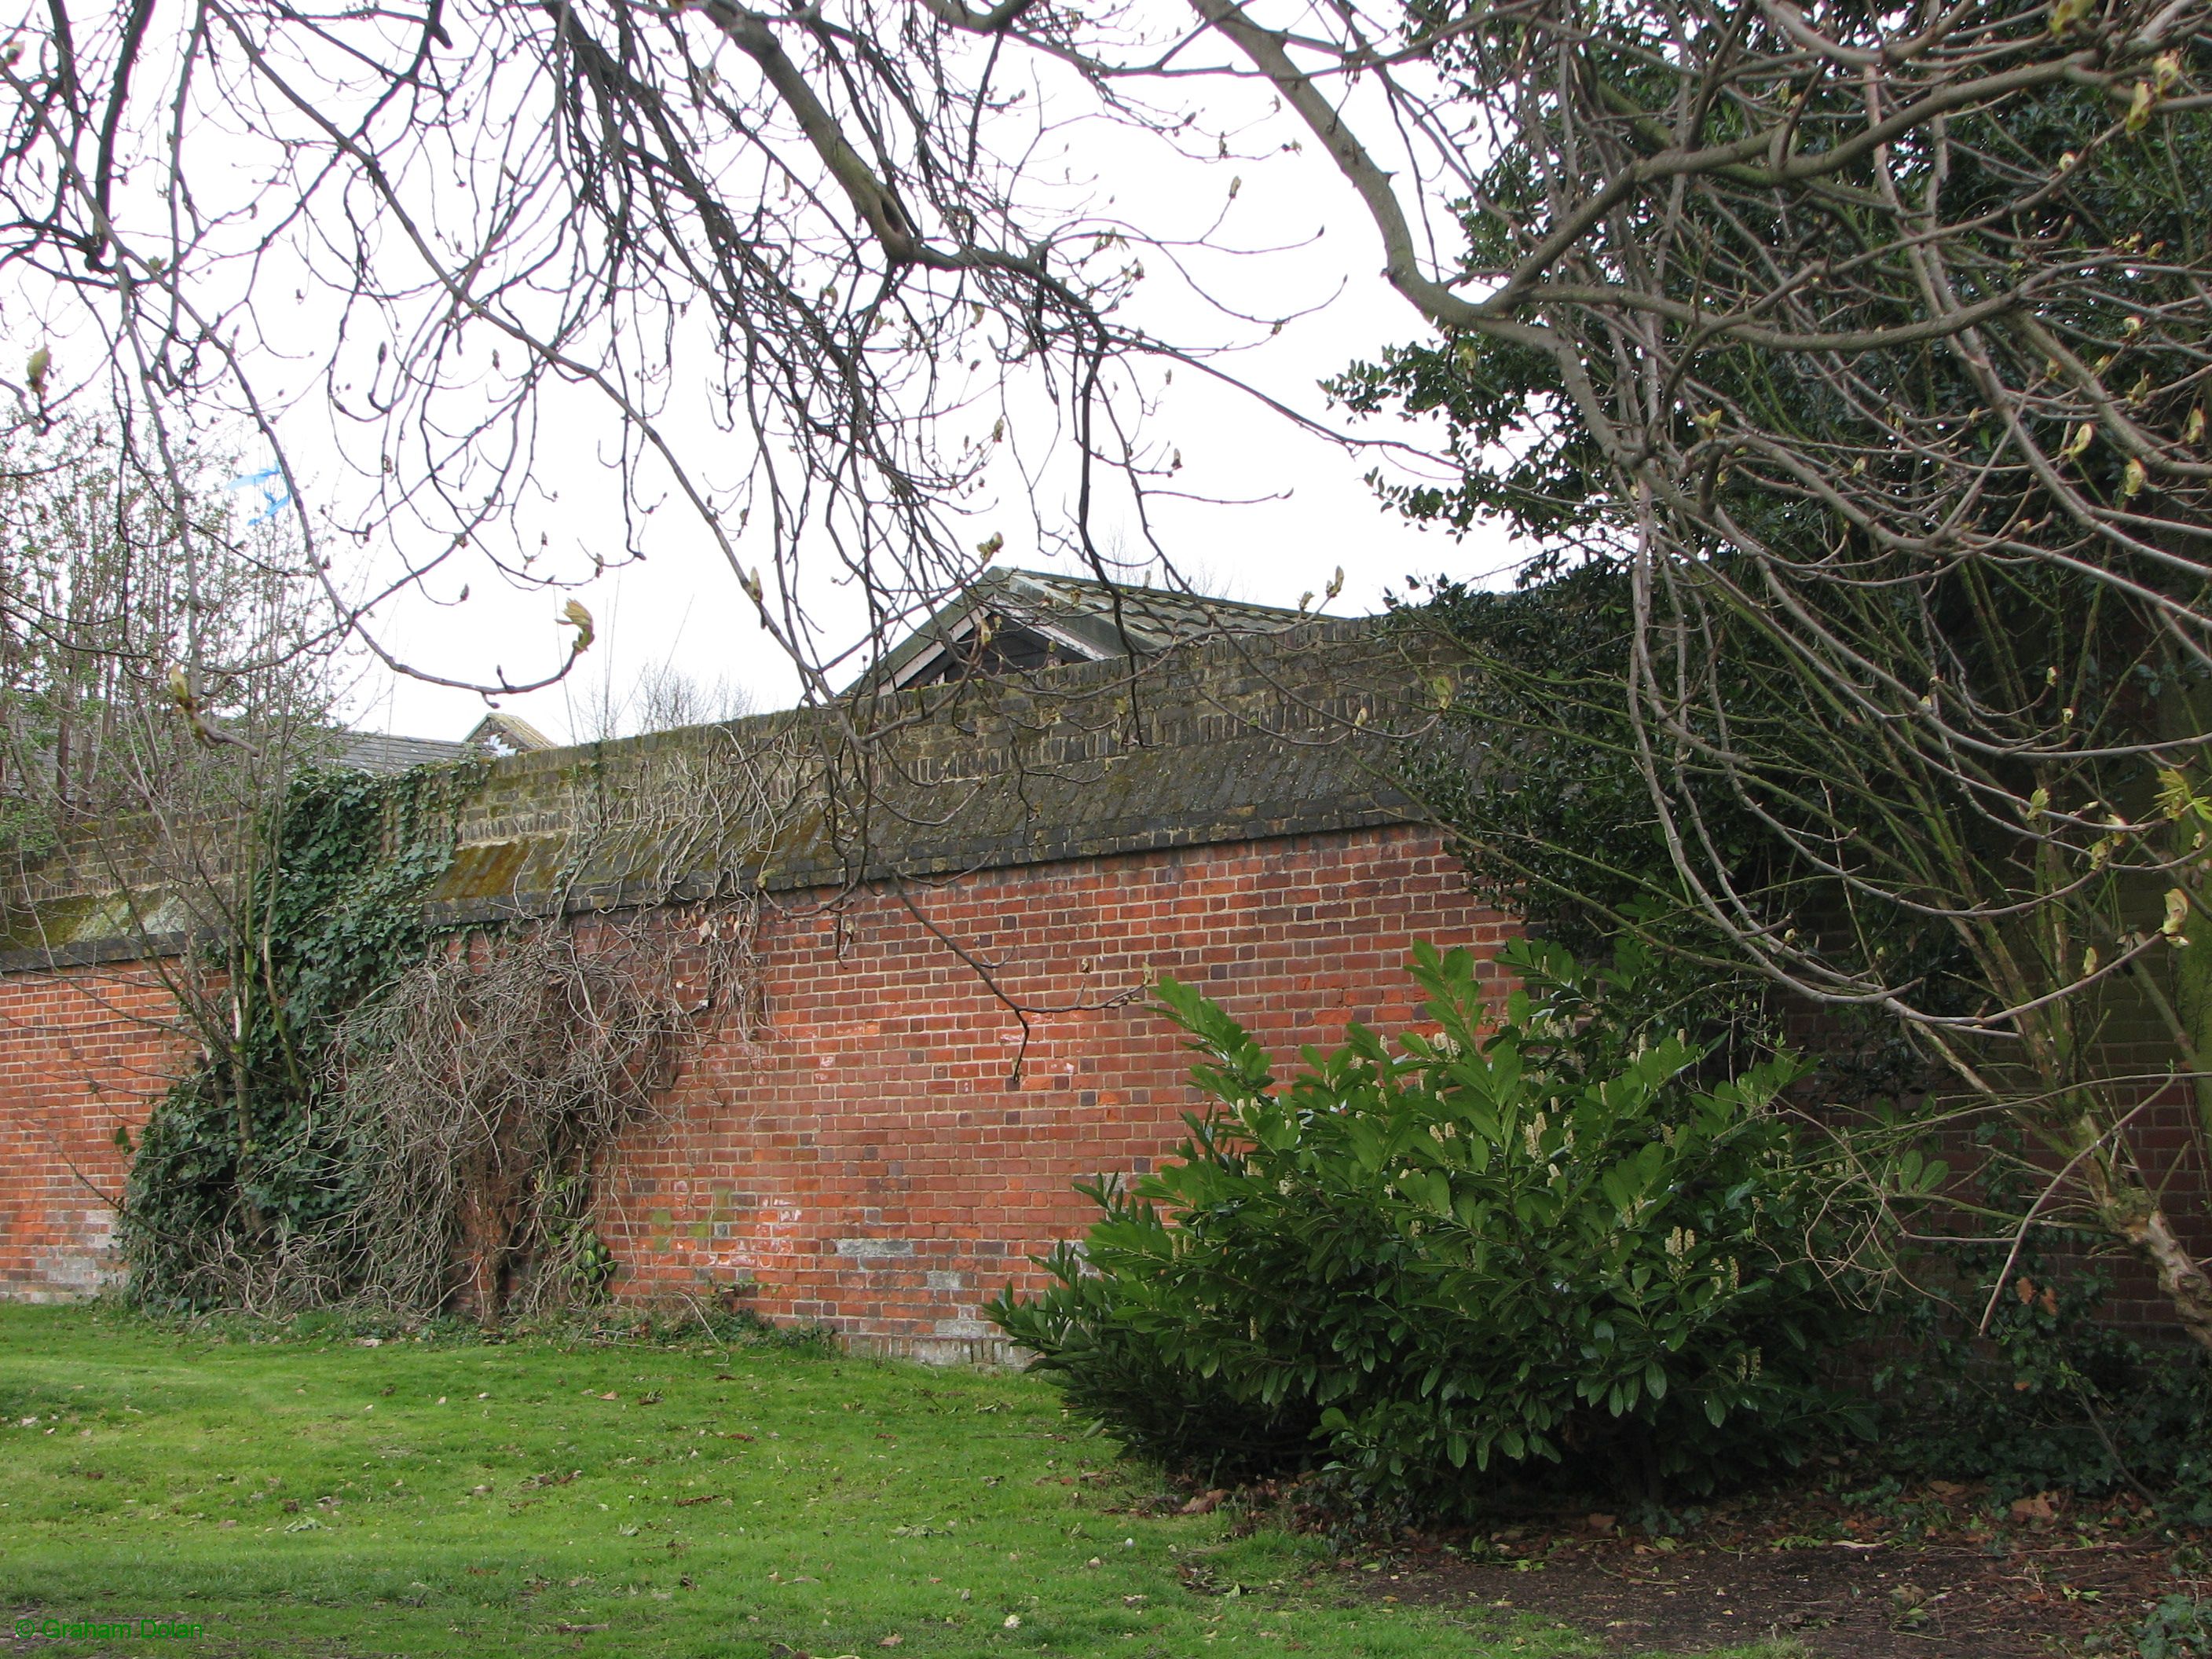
84,1052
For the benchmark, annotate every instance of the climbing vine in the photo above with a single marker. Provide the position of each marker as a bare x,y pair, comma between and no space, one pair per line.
393,1110
482,1089
240,1174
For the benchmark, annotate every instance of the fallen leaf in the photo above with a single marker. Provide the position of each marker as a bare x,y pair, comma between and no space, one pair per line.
604,1396
1206,1503
891,1641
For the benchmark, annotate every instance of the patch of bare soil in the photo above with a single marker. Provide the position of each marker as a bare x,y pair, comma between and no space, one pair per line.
1929,1575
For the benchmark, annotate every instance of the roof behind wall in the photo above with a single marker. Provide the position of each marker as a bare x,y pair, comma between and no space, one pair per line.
495,734
388,751
1010,621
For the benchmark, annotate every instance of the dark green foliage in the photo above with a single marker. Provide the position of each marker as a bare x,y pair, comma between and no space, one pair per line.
1904,677
1550,816
1554,816
1551,1245
1108,1353
2055,1401
239,1162
2049,1396
2179,1628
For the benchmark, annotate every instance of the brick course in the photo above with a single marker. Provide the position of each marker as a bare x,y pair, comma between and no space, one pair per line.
872,1163
82,1052
862,1156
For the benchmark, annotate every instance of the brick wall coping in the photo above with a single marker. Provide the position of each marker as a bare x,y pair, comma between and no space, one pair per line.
1244,739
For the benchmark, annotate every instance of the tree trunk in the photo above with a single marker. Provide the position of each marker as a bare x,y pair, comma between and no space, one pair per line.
487,1239
2129,1211
2180,1275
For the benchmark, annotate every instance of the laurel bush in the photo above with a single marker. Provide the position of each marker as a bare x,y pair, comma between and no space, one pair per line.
1552,1246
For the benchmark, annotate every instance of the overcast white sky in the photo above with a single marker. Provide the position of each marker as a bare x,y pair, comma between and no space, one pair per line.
1276,509
1266,511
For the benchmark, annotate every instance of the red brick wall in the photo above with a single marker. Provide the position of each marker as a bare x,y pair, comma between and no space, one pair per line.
82,1052
869,1164
862,1159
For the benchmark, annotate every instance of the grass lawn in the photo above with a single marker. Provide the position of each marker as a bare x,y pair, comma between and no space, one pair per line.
310,1494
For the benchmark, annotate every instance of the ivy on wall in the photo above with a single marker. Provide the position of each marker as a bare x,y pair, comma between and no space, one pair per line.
388,1113
241,1171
